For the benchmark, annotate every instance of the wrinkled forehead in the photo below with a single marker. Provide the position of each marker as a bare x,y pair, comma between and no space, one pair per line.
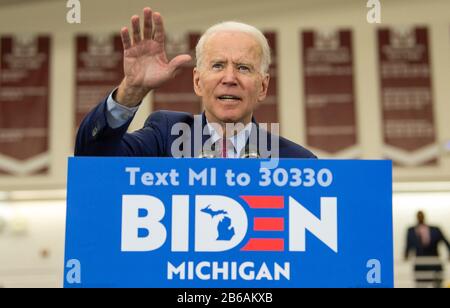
238,46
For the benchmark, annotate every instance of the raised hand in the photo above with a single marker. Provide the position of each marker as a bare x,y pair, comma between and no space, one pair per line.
145,63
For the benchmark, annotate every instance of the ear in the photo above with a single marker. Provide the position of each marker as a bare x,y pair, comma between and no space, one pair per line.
197,85
264,87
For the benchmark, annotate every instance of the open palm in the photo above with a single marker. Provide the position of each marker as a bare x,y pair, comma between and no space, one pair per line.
146,66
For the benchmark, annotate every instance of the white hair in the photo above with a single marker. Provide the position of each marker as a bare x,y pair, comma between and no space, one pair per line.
232,26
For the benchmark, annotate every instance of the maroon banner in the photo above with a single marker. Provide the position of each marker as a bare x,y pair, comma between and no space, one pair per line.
24,105
179,95
267,112
406,96
329,93
99,69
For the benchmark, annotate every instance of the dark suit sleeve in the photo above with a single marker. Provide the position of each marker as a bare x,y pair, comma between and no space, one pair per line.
409,242
96,138
444,239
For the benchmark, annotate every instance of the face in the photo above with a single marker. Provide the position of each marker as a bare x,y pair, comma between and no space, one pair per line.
420,217
230,80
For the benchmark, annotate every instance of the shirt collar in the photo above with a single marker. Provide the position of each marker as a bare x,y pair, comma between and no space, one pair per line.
239,140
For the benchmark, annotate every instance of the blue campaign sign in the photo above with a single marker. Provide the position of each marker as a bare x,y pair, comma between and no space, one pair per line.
224,223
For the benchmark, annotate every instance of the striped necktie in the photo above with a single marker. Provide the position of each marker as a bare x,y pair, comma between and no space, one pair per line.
224,148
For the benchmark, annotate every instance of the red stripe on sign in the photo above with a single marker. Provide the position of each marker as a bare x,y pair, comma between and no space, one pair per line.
264,244
268,224
264,202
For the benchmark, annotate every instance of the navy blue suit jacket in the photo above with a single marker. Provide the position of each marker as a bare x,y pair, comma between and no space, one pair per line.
413,242
96,138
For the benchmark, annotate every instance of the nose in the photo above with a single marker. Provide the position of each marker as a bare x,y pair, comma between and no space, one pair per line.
229,78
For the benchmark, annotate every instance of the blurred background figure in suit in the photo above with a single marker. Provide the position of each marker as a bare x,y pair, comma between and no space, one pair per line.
424,241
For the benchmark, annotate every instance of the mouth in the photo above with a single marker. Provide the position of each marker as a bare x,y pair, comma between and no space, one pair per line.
229,98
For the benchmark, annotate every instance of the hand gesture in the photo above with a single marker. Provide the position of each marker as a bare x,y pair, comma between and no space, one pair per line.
145,63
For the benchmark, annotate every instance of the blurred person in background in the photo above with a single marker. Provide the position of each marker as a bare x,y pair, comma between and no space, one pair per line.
424,241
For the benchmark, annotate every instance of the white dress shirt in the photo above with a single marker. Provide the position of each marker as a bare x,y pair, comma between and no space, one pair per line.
235,144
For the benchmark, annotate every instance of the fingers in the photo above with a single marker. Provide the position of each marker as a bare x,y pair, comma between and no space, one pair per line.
149,18
148,27
178,61
135,24
126,41
159,28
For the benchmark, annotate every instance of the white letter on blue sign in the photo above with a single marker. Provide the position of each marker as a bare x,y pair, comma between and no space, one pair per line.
180,223
172,270
133,222
300,220
132,172
203,177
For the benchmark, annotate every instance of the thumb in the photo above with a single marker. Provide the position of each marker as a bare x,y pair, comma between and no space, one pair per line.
178,61
176,72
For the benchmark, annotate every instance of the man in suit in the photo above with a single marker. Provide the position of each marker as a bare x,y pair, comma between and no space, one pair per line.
231,77
424,241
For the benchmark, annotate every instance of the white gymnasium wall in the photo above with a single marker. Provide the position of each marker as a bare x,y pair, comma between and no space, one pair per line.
32,243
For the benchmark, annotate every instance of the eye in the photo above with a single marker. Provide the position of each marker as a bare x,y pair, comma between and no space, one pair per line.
244,68
217,66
